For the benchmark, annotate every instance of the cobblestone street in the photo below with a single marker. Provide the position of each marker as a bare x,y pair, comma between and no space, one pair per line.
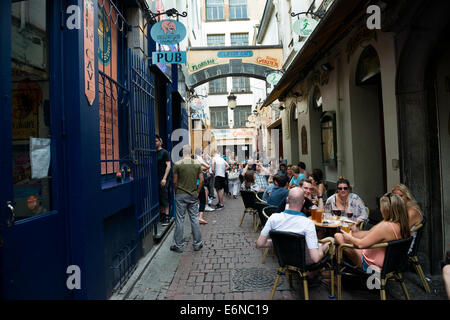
229,267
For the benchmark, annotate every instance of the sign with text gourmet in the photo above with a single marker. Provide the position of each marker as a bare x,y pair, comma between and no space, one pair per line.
89,77
304,26
268,61
168,32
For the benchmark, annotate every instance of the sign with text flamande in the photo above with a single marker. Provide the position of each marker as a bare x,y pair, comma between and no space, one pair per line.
168,32
89,55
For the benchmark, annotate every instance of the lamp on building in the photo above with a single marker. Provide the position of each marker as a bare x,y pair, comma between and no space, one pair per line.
326,67
231,101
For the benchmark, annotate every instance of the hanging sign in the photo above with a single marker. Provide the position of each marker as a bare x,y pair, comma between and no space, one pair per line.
168,32
89,77
274,77
169,57
304,26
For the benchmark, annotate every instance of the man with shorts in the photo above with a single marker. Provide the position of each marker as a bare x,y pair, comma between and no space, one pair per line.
219,166
163,174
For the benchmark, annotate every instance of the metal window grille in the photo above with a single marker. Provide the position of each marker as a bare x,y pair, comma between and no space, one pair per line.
218,86
112,91
241,84
142,103
214,10
239,39
238,9
216,40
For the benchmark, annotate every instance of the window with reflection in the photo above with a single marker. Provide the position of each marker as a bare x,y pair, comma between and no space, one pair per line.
31,134
328,129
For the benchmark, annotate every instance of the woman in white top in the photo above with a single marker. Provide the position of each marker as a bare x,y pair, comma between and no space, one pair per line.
343,199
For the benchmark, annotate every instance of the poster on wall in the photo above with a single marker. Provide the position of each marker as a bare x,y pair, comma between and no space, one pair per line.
108,106
26,100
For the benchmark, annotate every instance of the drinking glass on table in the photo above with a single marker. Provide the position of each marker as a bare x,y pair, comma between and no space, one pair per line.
345,227
350,214
336,213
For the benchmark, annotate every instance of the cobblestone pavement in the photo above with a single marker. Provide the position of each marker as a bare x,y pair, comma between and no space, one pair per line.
229,267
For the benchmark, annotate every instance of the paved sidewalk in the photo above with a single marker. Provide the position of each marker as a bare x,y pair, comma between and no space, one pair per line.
229,267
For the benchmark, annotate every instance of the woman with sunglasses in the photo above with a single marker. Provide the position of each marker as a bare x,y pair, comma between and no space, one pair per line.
347,201
394,226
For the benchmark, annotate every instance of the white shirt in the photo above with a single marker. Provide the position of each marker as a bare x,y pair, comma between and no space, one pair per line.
296,224
219,166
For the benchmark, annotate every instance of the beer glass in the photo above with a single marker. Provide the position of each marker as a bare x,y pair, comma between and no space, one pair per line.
345,227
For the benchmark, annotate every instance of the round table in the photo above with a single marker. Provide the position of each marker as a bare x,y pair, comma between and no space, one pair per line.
337,224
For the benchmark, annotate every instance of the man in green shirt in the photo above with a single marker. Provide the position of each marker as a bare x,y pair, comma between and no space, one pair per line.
188,182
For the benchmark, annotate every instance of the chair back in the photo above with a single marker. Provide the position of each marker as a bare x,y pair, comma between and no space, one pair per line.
396,258
289,248
249,198
269,210
416,241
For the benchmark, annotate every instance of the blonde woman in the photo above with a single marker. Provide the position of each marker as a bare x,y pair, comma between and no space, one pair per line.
414,212
395,226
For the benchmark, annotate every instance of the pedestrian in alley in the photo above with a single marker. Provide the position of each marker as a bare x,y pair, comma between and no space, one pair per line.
219,166
163,178
186,173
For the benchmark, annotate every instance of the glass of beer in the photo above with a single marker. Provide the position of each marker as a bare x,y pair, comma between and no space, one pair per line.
345,227
313,214
319,214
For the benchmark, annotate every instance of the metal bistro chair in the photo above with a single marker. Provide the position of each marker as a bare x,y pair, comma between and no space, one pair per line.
290,250
395,263
265,214
259,197
249,199
412,253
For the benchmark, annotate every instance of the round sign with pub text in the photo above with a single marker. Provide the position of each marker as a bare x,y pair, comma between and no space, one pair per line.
304,26
168,32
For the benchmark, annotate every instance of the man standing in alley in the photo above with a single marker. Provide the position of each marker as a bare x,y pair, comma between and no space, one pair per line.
219,166
188,181
163,175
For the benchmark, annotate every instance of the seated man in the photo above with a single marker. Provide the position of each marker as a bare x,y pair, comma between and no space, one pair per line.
293,220
279,192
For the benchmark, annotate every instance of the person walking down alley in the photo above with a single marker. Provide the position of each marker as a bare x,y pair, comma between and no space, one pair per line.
163,178
219,166
186,173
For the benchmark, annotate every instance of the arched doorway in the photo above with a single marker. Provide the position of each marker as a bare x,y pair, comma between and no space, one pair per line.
293,118
315,113
368,132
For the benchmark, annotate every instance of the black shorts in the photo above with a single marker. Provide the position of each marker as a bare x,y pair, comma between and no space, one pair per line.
219,182
163,196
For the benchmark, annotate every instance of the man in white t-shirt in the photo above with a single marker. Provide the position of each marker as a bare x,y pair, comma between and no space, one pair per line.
219,165
293,220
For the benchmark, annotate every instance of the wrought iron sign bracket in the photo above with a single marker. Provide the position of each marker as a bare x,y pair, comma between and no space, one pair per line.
151,16
319,14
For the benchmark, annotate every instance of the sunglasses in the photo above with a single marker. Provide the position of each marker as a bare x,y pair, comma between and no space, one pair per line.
343,188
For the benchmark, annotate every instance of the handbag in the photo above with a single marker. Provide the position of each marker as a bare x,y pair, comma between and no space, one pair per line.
233,175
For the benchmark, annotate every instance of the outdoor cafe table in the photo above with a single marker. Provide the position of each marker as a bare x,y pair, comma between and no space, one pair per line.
330,228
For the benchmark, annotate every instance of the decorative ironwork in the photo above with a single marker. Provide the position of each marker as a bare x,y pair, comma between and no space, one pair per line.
151,16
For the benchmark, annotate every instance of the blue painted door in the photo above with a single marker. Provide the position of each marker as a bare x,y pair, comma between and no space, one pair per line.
32,249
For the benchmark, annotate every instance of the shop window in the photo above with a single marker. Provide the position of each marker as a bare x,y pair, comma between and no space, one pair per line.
215,40
218,86
241,115
238,9
368,67
241,84
214,10
239,39
219,117
329,142
31,127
